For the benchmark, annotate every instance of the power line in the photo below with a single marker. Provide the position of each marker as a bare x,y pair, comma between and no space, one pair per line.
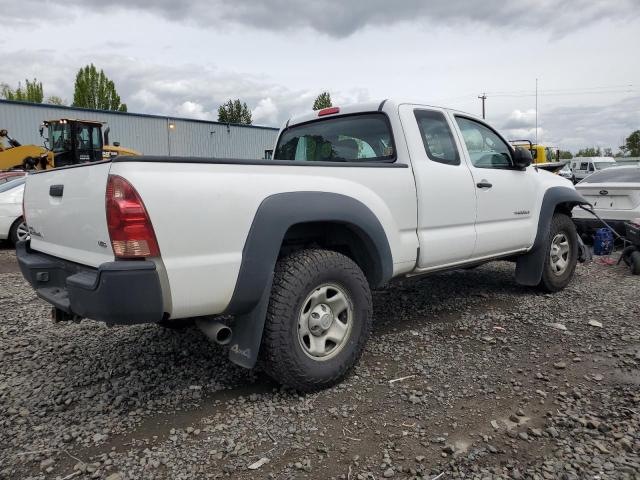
561,90
542,92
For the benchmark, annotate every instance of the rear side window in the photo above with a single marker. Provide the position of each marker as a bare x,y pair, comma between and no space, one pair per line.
351,138
615,175
437,137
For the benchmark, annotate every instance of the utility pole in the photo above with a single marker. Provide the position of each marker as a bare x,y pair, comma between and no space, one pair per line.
536,111
483,97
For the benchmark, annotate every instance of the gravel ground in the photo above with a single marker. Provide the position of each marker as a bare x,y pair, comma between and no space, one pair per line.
466,376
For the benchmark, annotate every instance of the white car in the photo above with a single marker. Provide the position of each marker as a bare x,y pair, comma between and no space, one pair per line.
582,167
12,226
615,196
291,247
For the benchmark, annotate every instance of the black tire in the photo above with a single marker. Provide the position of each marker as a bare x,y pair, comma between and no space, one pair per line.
13,231
297,276
30,163
552,281
635,263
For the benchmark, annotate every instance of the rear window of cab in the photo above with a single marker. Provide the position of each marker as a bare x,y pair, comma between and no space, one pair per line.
350,138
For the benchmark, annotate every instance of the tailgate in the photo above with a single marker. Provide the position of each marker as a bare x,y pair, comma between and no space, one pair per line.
611,197
65,211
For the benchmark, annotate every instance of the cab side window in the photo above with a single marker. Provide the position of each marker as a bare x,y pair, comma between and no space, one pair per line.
437,137
486,148
584,166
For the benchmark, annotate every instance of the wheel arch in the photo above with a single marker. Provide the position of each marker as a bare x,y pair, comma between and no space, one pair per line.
556,199
287,221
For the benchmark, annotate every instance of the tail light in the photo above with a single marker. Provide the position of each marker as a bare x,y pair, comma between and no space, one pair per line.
130,228
328,111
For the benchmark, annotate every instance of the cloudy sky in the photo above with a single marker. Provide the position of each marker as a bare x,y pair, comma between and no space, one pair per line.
186,57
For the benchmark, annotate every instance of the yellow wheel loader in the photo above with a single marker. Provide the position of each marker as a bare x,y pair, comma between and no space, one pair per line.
78,141
14,156
67,142
546,158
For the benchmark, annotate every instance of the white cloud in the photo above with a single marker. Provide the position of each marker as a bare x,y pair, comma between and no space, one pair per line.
265,112
193,110
519,119
339,18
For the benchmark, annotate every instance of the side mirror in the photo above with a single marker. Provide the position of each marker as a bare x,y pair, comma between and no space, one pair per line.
522,158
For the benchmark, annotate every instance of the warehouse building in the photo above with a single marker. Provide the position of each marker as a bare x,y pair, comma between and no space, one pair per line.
149,134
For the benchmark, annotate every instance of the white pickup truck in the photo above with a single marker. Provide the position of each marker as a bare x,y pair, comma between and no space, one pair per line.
290,248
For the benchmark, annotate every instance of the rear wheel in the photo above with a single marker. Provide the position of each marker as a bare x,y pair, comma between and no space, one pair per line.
561,254
318,320
19,231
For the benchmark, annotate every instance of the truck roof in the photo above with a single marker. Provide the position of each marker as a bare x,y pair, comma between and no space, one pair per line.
371,106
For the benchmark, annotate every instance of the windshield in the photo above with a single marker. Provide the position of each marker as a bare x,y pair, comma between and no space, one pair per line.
353,138
59,137
12,184
603,165
615,175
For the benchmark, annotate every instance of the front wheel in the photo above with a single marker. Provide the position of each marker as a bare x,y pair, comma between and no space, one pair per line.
561,254
318,321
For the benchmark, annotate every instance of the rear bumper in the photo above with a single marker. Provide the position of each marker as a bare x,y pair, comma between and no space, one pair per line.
121,292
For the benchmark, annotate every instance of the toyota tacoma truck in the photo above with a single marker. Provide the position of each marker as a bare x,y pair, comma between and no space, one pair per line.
282,254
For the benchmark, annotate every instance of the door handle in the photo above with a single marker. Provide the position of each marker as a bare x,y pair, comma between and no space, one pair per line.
56,190
484,184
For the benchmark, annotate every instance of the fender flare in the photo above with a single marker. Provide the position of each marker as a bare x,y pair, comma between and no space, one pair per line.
530,265
274,217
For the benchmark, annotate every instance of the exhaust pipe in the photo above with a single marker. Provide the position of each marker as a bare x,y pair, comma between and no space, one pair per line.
215,330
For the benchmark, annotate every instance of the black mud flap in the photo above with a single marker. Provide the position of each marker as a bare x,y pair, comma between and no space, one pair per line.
247,332
584,252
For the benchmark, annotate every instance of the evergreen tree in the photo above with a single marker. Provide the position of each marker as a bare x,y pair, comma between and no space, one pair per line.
322,101
234,111
95,90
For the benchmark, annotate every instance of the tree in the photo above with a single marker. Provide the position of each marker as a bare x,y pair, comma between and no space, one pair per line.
322,101
631,145
32,92
93,89
607,152
589,152
233,111
55,100
565,155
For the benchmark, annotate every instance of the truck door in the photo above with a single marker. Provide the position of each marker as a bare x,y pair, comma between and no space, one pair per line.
444,185
506,196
